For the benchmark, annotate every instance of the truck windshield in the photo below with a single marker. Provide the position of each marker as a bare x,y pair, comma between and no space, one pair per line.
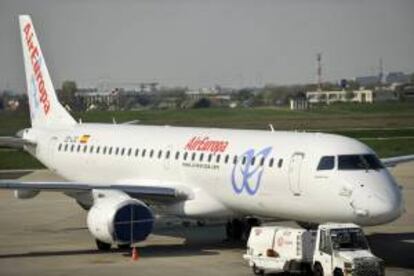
359,162
348,239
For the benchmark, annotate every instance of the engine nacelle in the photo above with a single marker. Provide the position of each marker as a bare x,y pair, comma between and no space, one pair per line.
117,218
25,193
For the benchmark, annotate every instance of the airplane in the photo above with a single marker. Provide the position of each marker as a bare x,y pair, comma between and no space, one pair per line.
126,175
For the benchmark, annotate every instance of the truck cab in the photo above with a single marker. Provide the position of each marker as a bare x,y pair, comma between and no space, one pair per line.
342,249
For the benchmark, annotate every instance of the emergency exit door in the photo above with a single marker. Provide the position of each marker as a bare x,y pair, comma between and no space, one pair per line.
295,167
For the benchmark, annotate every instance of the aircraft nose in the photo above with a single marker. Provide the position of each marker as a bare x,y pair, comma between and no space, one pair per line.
386,207
372,207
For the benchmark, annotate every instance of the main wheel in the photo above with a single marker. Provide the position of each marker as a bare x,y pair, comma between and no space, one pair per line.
317,270
103,246
234,230
238,228
338,272
124,246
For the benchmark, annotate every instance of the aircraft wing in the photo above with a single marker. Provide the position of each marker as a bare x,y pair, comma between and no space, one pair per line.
154,193
14,142
393,161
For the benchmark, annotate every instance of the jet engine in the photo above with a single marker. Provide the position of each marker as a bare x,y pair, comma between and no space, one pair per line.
117,218
25,193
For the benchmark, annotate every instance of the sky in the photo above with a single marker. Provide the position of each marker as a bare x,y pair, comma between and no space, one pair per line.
202,43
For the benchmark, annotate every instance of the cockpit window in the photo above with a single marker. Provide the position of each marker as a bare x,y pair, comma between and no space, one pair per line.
326,163
359,162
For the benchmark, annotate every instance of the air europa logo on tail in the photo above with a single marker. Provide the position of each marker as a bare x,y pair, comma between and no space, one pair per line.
35,59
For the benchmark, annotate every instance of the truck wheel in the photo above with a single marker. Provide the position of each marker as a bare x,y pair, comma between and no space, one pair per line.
306,269
317,270
257,271
338,272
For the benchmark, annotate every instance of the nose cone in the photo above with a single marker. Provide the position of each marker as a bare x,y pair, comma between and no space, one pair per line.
385,208
379,203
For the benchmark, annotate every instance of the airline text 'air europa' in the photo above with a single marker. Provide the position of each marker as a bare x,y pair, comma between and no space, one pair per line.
205,144
36,66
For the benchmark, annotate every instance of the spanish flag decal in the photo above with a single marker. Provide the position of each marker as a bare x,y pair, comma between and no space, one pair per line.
84,139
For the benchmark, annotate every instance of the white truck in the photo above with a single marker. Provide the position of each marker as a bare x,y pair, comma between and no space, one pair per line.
332,249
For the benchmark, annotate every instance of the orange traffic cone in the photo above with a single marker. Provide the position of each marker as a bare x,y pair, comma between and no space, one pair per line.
135,255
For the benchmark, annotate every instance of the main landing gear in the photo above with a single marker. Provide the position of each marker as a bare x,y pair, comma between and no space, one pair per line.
239,229
103,246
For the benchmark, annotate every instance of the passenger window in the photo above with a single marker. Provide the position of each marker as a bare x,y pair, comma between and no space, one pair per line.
235,160
218,158
151,153
252,161
110,151
66,147
143,152
98,149
159,154
201,157
91,149
193,156
104,150
244,160
209,157
136,152
78,149
116,151
60,147
177,155
167,155
226,159
85,148
271,161
122,151
280,163
185,156
72,148
326,163
129,152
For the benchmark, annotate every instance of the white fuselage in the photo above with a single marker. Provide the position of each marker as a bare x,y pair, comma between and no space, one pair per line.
275,174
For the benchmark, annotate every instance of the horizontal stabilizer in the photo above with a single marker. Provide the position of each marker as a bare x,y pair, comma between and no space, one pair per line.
15,142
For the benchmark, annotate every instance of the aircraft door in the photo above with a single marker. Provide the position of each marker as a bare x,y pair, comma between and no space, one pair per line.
295,166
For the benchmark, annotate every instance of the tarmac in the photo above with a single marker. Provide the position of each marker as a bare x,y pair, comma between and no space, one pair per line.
47,235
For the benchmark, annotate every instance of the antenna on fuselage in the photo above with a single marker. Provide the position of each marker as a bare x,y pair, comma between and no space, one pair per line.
113,120
272,129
